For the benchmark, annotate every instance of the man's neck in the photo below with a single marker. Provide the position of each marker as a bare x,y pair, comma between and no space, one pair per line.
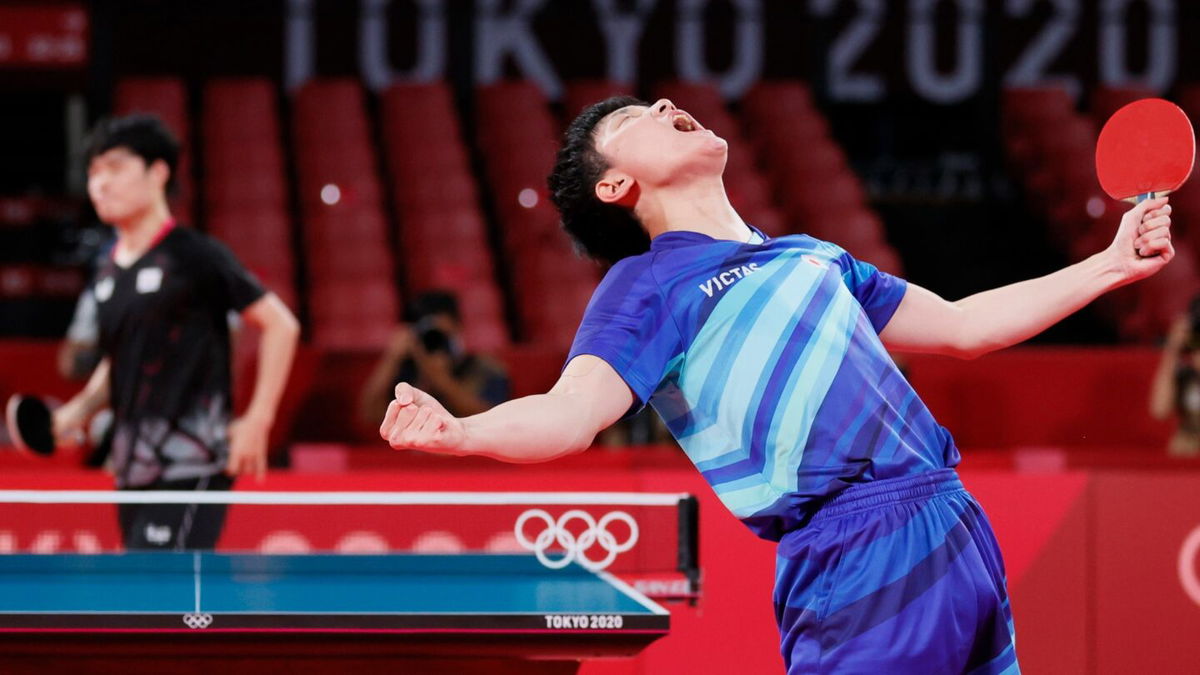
699,206
138,234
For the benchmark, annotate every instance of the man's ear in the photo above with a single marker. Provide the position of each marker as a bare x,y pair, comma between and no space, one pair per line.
616,187
161,172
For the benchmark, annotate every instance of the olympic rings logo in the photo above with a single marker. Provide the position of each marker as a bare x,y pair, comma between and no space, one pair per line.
575,548
197,621
1187,565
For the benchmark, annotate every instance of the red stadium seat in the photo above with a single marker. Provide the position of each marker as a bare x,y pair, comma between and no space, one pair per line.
338,194
452,222
165,97
351,263
852,228
769,220
361,334
509,101
1076,135
337,298
241,109
554,314
227,153
434,267
1023,108
424,191
413,101
784,156
485,337
769,137
1107,100
327,98
779,102
747,191
222,218
478,301
348,228
253,230
516,144
245,189
246,193
331,160
813,199
422,115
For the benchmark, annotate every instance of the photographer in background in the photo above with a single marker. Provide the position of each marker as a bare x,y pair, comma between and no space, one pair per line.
1176,388
428,353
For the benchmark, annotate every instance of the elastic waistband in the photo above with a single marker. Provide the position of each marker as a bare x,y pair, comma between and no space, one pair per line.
877,493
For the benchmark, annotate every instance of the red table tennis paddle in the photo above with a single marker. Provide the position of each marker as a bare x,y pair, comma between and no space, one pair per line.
1145,150
30,424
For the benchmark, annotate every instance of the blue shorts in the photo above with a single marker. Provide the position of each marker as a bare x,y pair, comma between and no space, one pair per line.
895,576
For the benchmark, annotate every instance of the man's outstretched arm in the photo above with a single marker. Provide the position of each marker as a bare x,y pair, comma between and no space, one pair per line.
588,397
1004,316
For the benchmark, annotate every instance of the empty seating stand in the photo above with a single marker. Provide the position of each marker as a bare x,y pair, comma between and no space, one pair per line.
353,299
810,174
245,182
442,232
518,137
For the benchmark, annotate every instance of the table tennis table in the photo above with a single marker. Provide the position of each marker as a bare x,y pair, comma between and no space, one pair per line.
163,612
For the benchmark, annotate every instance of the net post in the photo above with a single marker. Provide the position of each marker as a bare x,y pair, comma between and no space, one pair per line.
689,543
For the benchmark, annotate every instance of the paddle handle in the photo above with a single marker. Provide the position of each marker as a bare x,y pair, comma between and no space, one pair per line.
1138,199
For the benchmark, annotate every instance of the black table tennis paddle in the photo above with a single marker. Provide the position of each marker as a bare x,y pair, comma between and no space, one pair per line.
30,424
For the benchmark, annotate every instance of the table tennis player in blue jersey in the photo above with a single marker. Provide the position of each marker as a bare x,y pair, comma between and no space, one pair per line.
766,359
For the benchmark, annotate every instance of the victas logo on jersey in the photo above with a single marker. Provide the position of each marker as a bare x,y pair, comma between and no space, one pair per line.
727,278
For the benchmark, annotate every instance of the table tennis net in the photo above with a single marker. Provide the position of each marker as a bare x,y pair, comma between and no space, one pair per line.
650,540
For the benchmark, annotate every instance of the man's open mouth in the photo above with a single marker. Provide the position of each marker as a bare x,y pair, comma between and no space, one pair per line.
682,122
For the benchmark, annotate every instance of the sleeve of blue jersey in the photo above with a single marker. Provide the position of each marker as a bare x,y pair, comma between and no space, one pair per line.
628,326
878,292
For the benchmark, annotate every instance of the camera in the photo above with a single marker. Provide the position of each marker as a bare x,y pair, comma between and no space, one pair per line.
432,338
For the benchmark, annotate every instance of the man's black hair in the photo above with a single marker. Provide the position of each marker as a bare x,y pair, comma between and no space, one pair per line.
605,232
144,135
433,303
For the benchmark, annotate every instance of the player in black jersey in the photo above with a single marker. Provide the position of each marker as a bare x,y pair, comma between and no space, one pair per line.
163,298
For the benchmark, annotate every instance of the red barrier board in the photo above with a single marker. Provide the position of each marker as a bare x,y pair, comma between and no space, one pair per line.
1103,567
1147,573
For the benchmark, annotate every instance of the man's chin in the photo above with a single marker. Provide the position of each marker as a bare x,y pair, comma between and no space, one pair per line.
111,216
108,217
714,143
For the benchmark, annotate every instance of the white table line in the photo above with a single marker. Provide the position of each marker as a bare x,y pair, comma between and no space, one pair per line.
196,576
337,498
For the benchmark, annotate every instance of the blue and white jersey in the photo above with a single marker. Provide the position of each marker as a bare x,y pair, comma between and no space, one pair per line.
764,360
